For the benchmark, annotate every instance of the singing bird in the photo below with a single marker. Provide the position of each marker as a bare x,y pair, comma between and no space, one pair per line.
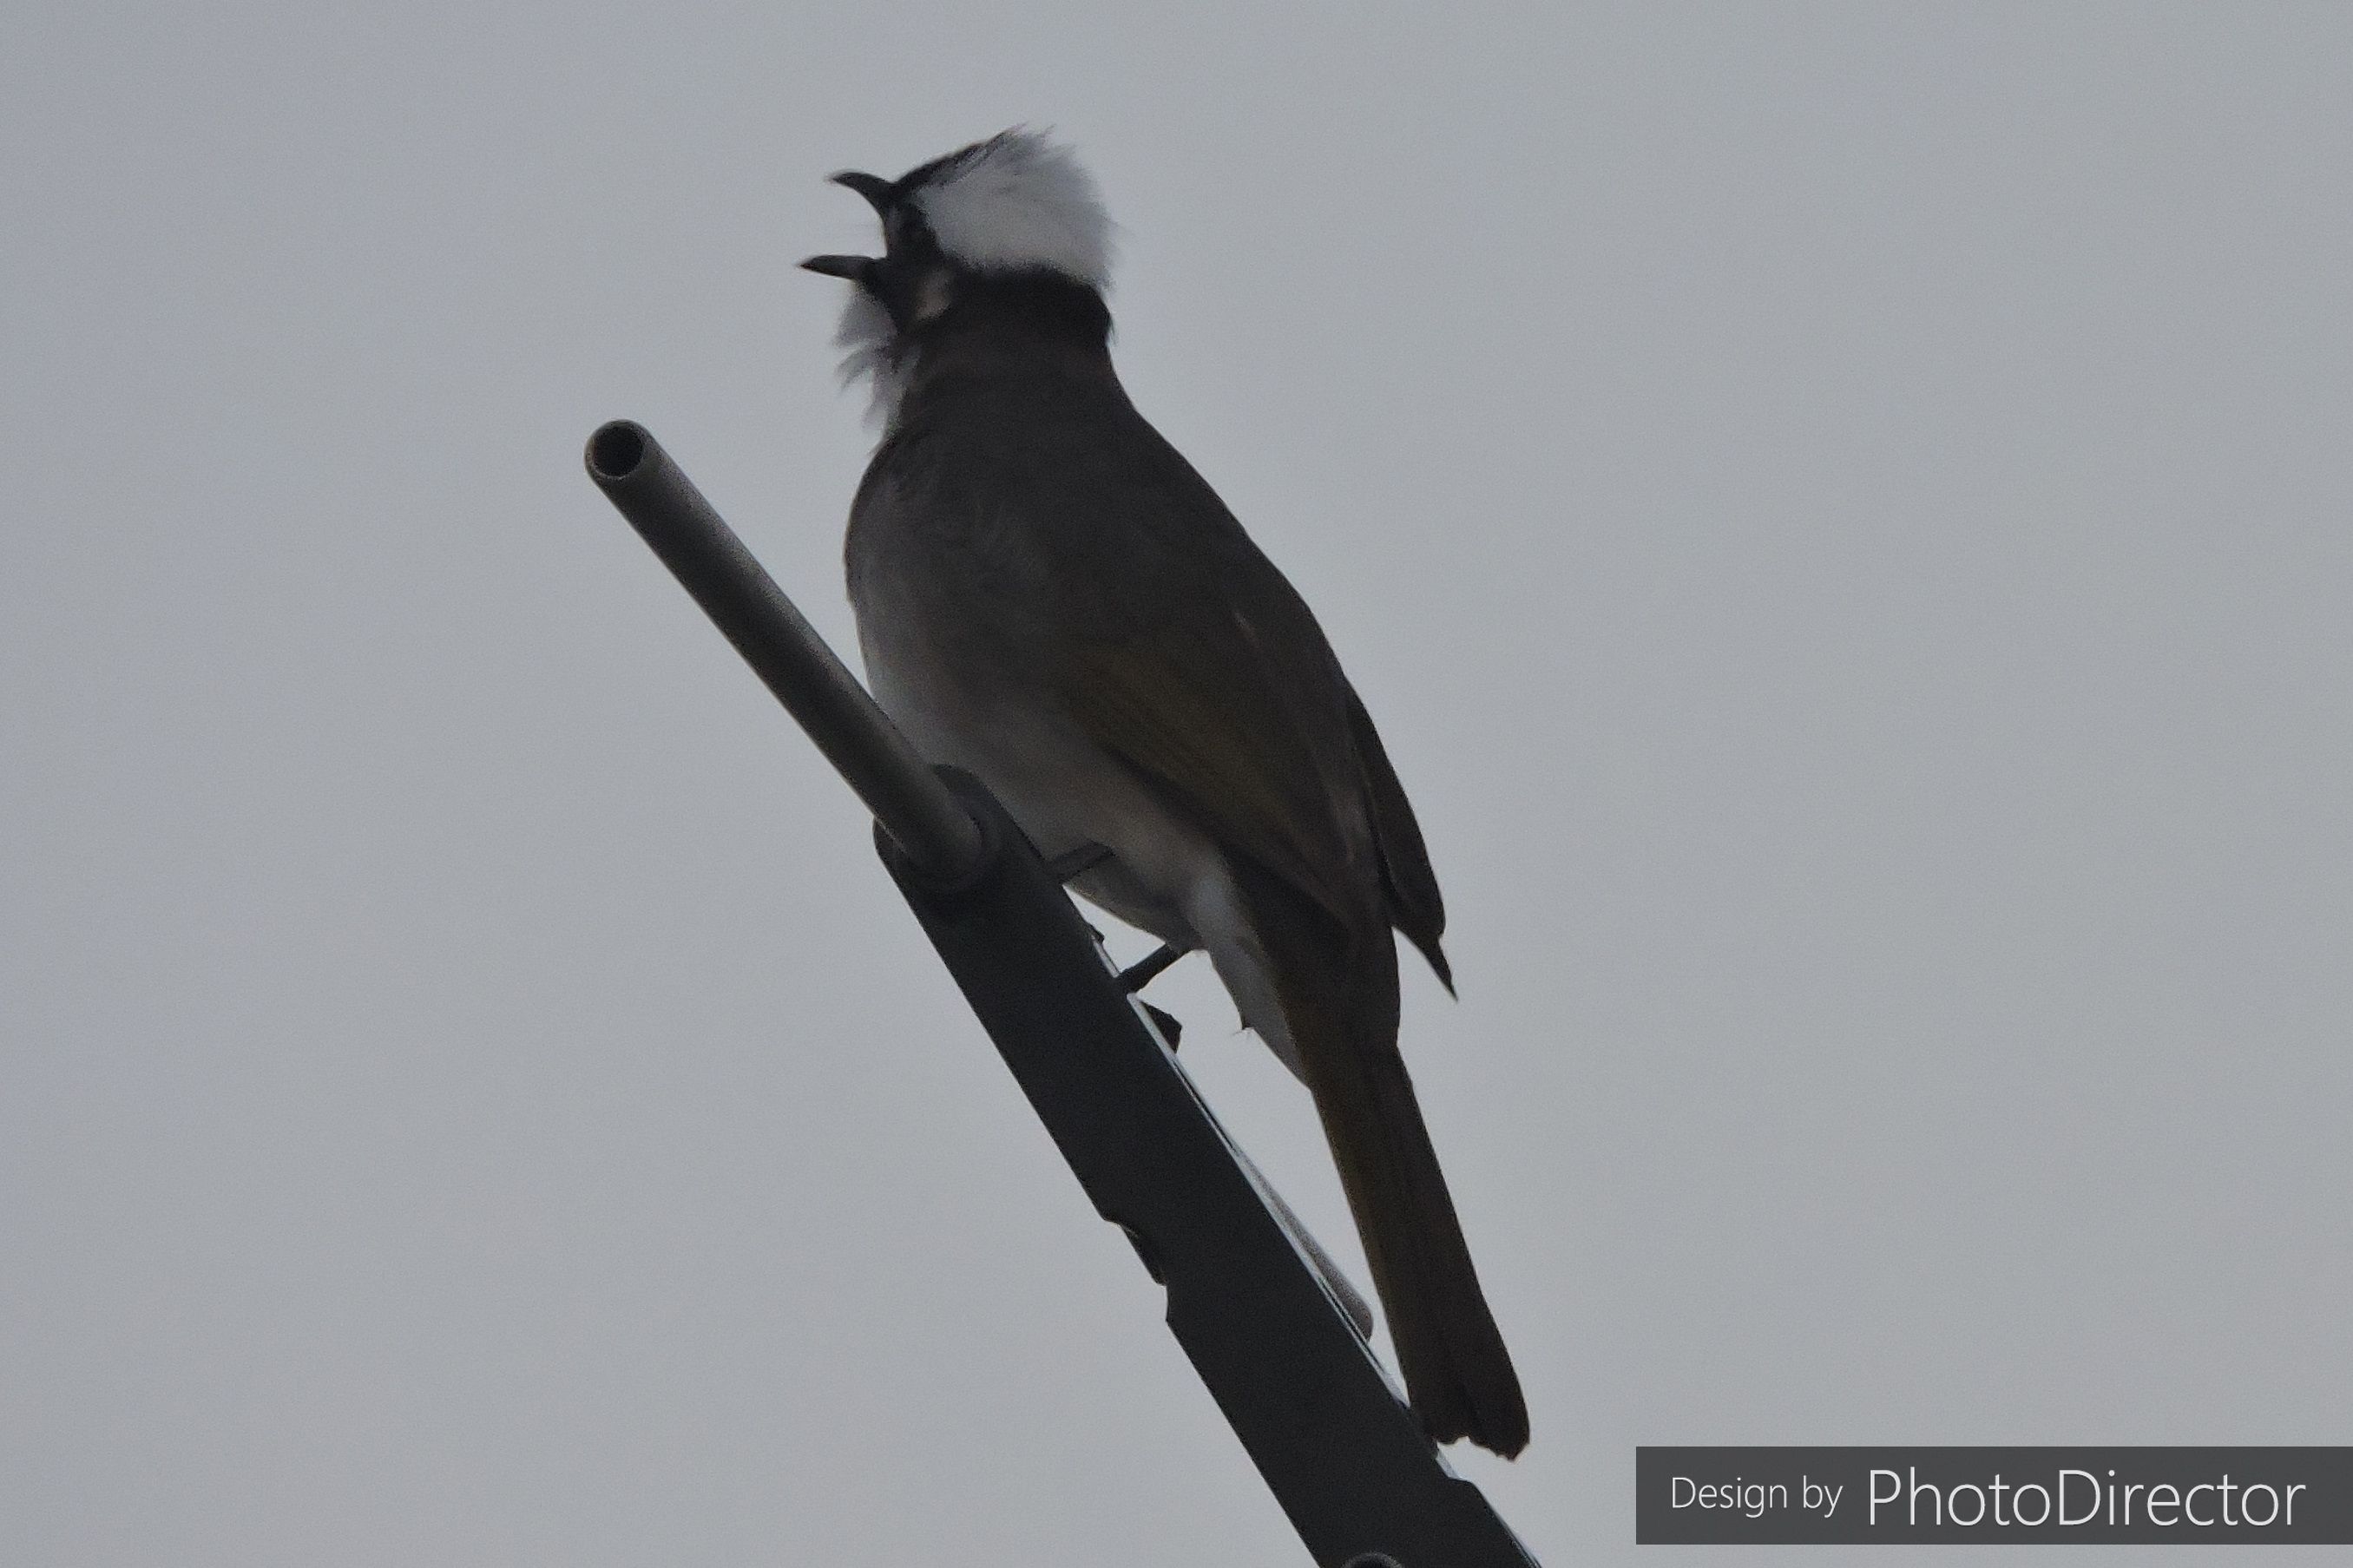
1050,596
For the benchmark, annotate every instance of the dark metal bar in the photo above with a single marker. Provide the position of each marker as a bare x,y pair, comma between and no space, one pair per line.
1338,1447
704,554
1342,1453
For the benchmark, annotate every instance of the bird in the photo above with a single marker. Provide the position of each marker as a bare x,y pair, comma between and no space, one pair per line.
1049,595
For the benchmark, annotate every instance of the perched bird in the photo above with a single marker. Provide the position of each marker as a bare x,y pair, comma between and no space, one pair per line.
1050,596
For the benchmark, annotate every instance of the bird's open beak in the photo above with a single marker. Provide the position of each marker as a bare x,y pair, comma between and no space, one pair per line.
878,193
856,269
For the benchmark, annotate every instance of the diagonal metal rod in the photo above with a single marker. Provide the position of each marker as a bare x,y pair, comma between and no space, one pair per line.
906,797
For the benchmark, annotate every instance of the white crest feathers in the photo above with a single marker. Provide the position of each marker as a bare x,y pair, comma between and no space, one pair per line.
1017,202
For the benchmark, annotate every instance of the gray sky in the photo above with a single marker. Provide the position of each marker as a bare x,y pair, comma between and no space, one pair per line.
1842,514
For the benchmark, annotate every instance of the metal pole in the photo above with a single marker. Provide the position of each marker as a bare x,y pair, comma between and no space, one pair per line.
925,821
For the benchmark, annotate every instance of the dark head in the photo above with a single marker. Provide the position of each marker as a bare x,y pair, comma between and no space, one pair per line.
1007,230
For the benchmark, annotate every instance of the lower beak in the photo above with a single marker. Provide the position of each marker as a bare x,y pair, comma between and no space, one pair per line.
856,269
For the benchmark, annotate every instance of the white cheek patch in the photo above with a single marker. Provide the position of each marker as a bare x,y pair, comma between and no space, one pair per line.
1019,203
864,337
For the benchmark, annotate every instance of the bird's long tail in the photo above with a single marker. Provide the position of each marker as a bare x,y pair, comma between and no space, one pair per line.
1338,992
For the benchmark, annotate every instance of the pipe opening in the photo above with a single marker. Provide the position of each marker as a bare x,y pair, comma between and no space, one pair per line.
616,450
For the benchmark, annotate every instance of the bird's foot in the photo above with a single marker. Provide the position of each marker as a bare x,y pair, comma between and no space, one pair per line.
1170,1029
1146,970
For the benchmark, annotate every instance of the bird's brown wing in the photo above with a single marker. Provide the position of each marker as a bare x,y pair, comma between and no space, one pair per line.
1269,772
1197,663
1414,905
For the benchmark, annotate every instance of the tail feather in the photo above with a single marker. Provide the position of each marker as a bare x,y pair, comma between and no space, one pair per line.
1338,992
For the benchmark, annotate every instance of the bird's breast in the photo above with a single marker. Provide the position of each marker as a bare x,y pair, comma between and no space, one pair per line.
973,700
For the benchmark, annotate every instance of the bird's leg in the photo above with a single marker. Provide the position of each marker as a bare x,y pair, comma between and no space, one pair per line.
1076,862
1146,970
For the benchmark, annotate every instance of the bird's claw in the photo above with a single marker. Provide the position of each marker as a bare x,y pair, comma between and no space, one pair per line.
1169,1027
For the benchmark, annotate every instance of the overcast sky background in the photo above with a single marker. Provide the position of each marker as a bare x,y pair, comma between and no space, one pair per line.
1843,514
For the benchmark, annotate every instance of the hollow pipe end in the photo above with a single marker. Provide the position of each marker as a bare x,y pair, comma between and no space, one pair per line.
618,450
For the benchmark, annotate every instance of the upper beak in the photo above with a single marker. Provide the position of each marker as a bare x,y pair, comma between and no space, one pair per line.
877,191
856,268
